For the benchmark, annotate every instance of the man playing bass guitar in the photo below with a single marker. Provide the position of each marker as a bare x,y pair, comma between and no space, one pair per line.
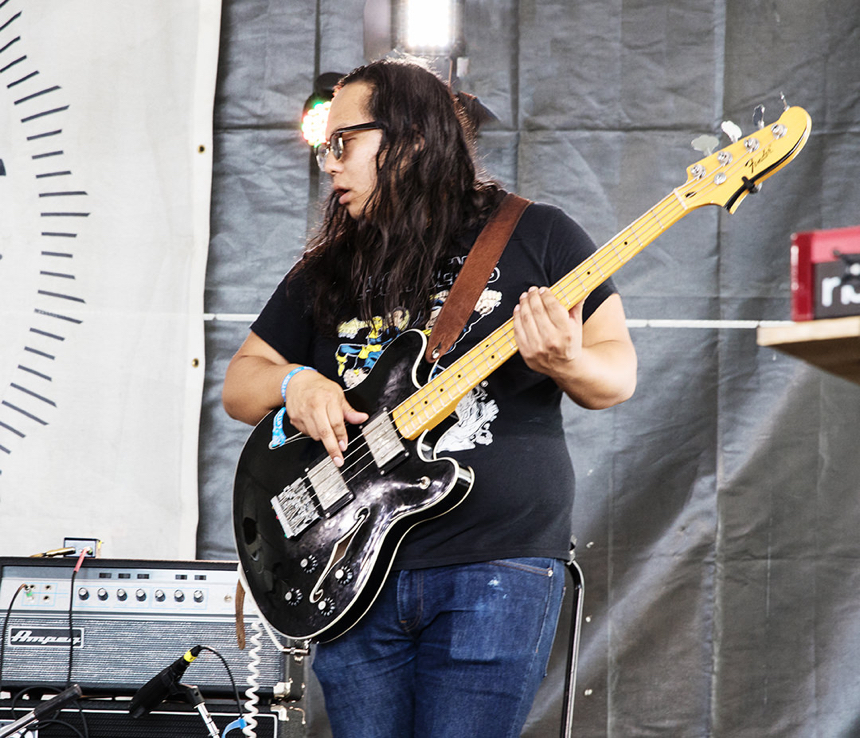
457,640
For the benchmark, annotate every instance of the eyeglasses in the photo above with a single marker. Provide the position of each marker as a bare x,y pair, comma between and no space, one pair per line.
335,144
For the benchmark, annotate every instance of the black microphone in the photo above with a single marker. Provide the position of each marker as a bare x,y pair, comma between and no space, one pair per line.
44,711
157,689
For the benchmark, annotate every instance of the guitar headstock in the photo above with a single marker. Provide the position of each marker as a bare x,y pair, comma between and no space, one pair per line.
728,176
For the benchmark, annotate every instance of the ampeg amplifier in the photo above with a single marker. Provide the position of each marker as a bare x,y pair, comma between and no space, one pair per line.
124,622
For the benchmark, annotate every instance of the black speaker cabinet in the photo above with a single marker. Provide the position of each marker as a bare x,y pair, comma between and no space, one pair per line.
110,719
122,622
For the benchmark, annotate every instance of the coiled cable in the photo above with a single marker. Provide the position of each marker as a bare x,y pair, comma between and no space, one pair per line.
253,680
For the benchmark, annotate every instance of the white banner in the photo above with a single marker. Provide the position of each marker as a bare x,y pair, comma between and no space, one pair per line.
105,144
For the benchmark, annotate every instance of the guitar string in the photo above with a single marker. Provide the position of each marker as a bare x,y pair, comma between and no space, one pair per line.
570,287
500,340
349,466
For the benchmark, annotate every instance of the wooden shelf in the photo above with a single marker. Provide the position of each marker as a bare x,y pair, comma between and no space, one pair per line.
832,344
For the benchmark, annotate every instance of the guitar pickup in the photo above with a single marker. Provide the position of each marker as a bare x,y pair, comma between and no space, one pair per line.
384,442
329,485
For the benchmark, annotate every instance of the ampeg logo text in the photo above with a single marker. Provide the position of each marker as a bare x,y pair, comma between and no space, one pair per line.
41,637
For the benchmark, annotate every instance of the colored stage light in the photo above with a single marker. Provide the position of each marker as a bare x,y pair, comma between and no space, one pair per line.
314,122
315,111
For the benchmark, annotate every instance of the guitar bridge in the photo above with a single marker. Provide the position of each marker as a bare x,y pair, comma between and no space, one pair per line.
383,441
295,508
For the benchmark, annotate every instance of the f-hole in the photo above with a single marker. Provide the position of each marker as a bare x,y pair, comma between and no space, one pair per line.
337,554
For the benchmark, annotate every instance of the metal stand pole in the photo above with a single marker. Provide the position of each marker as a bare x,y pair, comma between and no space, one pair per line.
578,590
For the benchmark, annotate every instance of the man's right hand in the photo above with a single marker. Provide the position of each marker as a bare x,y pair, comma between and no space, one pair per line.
317,407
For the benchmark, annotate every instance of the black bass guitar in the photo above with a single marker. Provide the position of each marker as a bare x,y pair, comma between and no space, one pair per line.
315,541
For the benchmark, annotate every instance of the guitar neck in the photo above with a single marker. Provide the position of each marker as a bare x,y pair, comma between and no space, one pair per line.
437,399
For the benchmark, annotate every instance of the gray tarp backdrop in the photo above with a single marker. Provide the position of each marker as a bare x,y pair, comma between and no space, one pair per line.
716,511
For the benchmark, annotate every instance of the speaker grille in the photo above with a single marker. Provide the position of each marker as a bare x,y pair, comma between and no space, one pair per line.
119,655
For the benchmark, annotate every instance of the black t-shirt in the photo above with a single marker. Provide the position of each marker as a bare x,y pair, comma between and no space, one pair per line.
509,428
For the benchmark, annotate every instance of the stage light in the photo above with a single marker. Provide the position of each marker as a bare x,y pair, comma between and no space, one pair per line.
314,122
432,29
429,27
315,111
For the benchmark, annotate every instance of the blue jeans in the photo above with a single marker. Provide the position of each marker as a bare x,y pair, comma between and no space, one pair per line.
453,651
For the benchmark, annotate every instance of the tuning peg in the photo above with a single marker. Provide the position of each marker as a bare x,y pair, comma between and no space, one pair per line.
784,101
732,130
758,116
705,143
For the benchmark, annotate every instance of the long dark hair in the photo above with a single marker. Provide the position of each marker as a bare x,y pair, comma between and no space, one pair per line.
428,192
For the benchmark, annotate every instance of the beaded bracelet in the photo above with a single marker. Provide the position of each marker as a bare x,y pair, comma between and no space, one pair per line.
289,377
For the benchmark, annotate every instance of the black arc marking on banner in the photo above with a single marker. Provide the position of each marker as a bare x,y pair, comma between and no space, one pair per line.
27,401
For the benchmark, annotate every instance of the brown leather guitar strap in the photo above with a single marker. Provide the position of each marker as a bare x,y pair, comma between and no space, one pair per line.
473,277
240,616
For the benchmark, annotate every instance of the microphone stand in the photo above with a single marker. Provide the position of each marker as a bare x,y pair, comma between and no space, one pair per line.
44,710
195,699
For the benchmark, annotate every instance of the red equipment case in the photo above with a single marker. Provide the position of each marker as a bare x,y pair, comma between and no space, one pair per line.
825,273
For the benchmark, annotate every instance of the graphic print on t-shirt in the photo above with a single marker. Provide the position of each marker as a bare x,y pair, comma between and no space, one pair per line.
366,341
356,359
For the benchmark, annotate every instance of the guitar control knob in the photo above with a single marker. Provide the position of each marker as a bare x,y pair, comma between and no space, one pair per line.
325,607
121,595
102,594
140,595
293,597
309,563
343,576
83,594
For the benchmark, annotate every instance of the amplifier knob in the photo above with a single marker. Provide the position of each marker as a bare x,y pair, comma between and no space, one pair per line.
159,595
83,593
140,595
103,594
198,595
179,595
121,595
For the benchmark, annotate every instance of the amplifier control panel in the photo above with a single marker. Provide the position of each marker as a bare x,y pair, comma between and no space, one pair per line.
109,586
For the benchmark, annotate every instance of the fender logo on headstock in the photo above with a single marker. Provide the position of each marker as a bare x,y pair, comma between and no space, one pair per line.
763,156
